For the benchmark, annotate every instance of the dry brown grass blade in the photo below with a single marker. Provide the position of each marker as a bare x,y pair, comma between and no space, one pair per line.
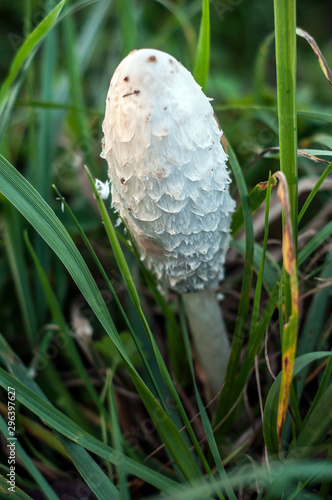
304,154
323,64
289,339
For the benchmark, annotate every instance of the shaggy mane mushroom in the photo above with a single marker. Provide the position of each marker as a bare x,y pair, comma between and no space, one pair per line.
170,183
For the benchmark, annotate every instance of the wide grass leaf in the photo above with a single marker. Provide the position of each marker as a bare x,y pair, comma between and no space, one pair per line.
271,405
95,478
92,474
40,215
65,426
315,428
17,495
28,465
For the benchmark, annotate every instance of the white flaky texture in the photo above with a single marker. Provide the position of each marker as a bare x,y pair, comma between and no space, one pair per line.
167,168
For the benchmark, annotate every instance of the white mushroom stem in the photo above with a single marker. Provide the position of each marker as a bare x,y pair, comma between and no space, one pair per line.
209,334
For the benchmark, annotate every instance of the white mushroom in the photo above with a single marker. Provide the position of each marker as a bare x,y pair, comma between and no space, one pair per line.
170,183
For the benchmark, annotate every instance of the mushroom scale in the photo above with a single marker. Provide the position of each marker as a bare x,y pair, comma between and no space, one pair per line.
168,173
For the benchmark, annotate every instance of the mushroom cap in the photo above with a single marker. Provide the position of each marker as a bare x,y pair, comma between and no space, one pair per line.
168,173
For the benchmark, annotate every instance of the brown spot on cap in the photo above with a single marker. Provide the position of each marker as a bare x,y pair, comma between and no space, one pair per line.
122,180
135,92
126,78
152,59
171,61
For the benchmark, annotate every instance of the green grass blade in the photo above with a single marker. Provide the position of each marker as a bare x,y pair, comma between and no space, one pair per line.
201,68
87,467
57,106
91,473
326,379
204,417
79,119
271,268
45,148
316,427
15,251
175,341
314,243
311,115
285,35
117,443
6,107
316,115
147,363
261,67
58,421
260,331
319,306
121,261
272,480
314,324
46,125
28,46
256,197
174,338
181,17
80,457
271,404
314,191
126,11
227,396
18,495
39,214
15,366
25,198
28,464
255,309
70,351
125,272
88,39
124,269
